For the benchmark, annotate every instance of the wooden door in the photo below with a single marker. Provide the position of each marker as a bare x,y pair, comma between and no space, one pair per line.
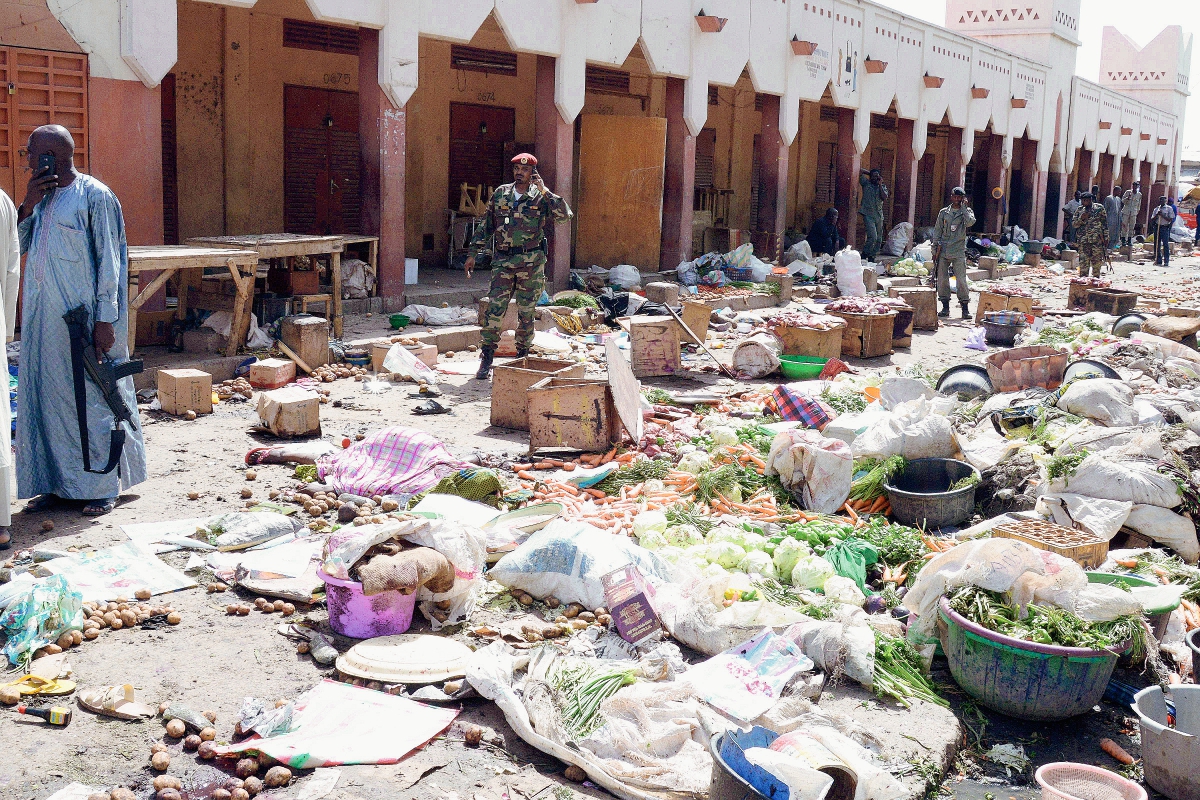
926,213
478,135
170,166
621,162
321,168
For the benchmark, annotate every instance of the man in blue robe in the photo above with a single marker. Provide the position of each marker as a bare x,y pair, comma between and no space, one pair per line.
73,233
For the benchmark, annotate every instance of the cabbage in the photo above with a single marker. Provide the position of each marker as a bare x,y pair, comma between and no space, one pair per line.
695,463
697,554
723,435
713,571
727,554
753,541
683,535
758,562
672,555
649,521
811,572
727,533
652,539
787,553
844,590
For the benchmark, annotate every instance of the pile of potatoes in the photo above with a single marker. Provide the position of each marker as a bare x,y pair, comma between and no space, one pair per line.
318,504
328,373
262,604
115,615
239,386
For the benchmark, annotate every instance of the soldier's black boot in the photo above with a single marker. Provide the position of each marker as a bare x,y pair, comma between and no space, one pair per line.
522,352
966,313
945,312
485,363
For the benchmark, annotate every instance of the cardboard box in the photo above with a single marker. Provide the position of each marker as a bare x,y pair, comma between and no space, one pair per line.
425,353
154,327
181,390
654,346
307,337
630,601
272,373
289,412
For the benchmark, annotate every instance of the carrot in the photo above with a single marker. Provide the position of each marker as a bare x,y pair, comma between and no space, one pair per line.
544,465
878,505
526,475
609,456
569,466
522,467
1116,751
850,511
595,493
1128,563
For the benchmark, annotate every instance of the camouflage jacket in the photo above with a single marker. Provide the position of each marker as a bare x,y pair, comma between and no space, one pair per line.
950,230
517,223
1091,224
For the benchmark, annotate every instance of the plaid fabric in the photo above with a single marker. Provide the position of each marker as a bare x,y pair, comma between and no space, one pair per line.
833,368
397,460
793,406
1004,317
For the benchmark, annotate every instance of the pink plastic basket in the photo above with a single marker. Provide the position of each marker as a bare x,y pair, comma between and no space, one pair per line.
359,616
1065,780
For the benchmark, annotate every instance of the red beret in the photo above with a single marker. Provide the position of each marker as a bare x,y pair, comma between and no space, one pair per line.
524,158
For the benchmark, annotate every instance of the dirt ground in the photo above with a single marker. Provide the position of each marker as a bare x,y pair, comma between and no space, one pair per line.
211,661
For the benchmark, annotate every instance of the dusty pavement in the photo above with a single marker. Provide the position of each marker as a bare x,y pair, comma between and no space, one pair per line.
212,661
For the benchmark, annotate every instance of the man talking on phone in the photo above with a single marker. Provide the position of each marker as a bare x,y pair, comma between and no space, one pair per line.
73,233
514,230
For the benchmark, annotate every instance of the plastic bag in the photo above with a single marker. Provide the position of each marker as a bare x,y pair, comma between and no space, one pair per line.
222,323
836,647
1102,517
237,531
800,251
466,548
897,239
817,468
567,559
625,276
1167,528
848,264
44,612
894,391
909,431
402,362
1106,401
841,589
358,279
976,340
757,356
850,558
687,273
759,270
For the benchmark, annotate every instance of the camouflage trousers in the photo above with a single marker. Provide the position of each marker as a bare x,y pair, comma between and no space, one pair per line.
521,276
1091,258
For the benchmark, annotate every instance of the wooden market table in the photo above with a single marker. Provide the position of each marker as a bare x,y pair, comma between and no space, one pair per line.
271,246
167,260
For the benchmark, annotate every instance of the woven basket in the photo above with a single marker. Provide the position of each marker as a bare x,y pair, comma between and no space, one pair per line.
1063,780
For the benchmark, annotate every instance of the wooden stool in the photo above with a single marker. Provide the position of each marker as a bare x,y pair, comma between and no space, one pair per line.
301,302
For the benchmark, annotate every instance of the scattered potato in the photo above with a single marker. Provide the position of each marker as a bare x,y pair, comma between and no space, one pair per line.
278,605
160,761
174,618
211,716
473,735
143,594
220,794
574,773
246,767
251,475
10,695
551,602
167,782
189,415
176,729
193,495
65,640
277,776
76,637
288,609
301,648
572,611
243,610
252,785
239,794
47,525
129,618
273,494
191,742
54,649
208,734
216,586
121,793
162,708
206,751
168,794
232,609
247,492
91,633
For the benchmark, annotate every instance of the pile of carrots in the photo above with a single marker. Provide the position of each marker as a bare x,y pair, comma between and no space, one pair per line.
525,471
879,505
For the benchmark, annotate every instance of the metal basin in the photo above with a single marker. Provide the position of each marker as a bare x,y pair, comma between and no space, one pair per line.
920,495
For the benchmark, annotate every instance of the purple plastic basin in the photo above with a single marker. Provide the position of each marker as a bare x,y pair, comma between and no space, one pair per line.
361,616
1023,679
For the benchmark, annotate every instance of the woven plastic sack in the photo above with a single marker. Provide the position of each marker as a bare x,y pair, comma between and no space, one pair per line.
757,356
1106,401
817,468
848,264
1167,528
44,612
1123,481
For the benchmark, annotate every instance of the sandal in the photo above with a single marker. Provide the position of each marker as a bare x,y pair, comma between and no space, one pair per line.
42,502
45,687
98,508
7,543
114,701
256,455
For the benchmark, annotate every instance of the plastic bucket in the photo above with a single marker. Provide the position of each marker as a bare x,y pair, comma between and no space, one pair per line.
359,616
801,368
919,495
1156,617
1022,679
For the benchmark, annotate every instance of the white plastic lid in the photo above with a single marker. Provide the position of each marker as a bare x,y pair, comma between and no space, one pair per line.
406,658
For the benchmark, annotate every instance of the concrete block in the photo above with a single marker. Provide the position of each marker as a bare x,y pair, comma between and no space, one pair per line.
904,280
978,275
989,264
1013,270
662,292
756,301
457,337
203,340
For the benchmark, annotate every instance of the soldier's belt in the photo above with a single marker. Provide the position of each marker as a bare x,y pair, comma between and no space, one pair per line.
527,248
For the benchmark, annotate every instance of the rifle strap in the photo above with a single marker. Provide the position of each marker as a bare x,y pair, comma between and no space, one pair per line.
116,442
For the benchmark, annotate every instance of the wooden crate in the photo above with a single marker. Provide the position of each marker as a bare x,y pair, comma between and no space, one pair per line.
902,328
1083,547
576,413
654,346
923,300
695,315
1077,294
511,381
990,301
1113,302
812,341
866,335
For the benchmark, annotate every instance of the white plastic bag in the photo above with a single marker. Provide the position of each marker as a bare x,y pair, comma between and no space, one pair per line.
402,362
567,559
909,431
358,279
1130,481
800,251
466,547
625,276
759,270
222,323
1167,528
849,273
817,468
757,356
897,239
896,390
1106,401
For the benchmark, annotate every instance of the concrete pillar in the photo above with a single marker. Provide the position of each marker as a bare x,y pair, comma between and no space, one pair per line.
1084,160
679,182
904,195
997,176
1127,172
1144,213
1040,184
849,161
1107,179
383,152
954,167
554,146
241,183
1029,189
1065,194
773,177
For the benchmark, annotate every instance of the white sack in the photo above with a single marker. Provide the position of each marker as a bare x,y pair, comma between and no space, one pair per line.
625,276
816,467
1102,517
1167,528
849,427
1104,400
1125,481
222,323
897,239
358,279
757,356
849,273
988,448
910,431
894,391
800,251
428,315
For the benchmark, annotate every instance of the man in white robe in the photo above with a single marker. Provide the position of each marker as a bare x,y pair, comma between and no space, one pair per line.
10,285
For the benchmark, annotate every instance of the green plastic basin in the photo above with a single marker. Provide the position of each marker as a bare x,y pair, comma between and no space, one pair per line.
801,368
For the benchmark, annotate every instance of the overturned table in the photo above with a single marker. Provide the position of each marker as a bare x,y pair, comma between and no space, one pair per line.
167,260
286,246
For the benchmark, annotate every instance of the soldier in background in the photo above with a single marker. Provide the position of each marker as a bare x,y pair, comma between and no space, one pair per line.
1091,236
514,230
950,250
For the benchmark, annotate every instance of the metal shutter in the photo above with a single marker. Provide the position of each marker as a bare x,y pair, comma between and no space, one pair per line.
924,215
826,171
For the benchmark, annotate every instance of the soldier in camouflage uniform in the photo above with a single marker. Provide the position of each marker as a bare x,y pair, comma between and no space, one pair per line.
514,229
1091,236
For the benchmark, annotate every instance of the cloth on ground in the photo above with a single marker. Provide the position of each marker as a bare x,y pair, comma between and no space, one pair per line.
395,460
407,571
473,483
